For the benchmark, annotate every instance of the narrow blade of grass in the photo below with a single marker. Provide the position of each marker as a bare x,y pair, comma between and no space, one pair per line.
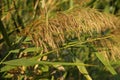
106,63
83,69
31,61
7,68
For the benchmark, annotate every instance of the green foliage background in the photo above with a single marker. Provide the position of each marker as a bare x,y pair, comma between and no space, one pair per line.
91,54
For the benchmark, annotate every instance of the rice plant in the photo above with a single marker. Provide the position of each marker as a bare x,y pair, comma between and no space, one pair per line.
58,40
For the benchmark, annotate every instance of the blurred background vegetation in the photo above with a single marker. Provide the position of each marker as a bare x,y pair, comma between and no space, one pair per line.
41,40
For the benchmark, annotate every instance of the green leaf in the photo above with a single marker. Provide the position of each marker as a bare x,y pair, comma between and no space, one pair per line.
106,63
83,69
7,68
33,61
21,62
